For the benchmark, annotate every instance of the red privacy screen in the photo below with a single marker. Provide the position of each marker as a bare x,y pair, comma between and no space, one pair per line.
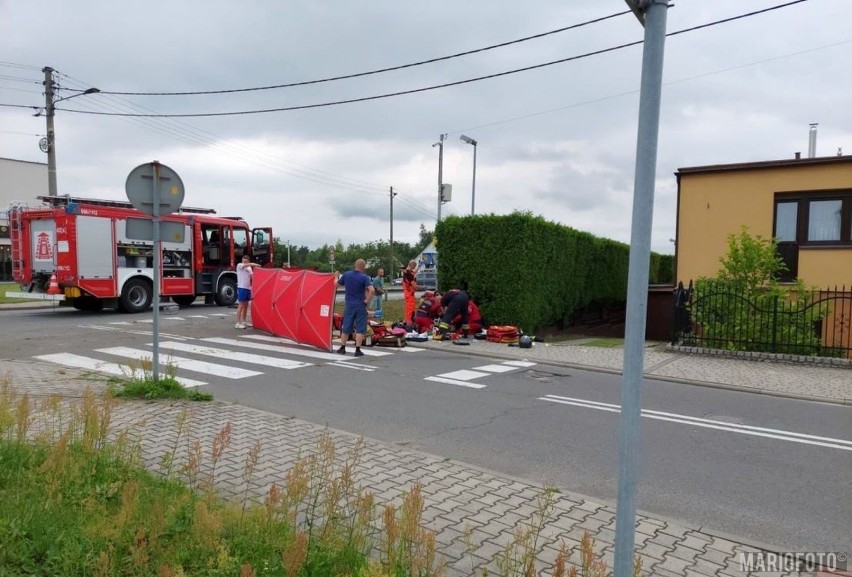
294,304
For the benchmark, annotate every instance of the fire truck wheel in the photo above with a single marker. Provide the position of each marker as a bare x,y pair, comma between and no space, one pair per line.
136,296
226,294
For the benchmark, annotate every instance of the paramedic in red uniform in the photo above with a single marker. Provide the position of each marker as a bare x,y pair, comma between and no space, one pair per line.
474,318
409,286
427,312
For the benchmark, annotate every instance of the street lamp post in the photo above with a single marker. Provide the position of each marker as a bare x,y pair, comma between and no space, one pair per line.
288,254
392,195
440,145
49,113
473,143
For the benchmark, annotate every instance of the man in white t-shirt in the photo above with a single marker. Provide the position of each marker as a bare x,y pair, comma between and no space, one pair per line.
244,274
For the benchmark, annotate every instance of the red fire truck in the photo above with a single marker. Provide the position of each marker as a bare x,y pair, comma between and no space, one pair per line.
84,242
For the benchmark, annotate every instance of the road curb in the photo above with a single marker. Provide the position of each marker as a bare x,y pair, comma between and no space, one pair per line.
708,384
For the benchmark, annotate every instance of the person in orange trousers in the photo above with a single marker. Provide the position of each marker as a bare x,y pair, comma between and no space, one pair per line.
409,286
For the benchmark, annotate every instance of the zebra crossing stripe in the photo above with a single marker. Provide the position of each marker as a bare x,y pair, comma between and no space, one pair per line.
291,350
463,375
237,356
521,364
495,368
355,366
183,363
136,332
88,363
297,349
455,382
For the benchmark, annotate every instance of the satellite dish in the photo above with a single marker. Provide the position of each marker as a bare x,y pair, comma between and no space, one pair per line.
43,144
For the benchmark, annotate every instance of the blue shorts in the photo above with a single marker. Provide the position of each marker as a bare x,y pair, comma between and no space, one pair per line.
354,315
243,295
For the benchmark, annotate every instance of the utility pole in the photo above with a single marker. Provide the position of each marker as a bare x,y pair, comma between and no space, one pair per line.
652,15
51,136
50,101
440,145
390,268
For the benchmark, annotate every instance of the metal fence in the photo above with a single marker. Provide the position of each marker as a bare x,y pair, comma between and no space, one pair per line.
714,315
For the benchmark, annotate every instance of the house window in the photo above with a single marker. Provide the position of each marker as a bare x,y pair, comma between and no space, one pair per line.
819,218
824,218
786,214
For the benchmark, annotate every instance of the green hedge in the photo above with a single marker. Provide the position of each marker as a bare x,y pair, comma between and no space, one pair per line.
526,271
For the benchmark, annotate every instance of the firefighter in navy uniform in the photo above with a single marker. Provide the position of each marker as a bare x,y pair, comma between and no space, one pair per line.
455,303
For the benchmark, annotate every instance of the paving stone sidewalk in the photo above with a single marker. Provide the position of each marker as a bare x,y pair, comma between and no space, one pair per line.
458,497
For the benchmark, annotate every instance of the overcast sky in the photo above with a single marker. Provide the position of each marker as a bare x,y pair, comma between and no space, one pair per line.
558,141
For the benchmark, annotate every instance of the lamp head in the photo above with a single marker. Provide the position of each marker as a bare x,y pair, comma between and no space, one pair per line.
467,139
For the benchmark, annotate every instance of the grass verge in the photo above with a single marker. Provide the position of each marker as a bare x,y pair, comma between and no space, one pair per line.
77,501
10,287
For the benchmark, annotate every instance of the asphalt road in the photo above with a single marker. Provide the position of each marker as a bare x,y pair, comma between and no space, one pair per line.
769,469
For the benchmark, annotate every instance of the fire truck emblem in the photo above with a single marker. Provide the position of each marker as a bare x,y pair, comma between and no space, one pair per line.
43,249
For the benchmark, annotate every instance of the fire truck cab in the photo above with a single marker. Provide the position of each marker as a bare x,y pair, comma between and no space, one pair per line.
85,244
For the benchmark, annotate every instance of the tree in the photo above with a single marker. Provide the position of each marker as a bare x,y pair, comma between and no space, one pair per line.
752,262
745,308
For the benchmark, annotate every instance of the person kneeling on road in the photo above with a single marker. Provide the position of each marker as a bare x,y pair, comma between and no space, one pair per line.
427,312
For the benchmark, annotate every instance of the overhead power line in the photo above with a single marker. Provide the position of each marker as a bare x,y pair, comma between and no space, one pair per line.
437,86
371,72
187,133
636,91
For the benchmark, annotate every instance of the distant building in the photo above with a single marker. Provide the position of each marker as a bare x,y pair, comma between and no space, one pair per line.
427,263
20,181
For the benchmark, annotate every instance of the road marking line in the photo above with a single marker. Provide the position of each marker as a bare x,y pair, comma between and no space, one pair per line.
463,375
183,363
710,424
495,368
454,382
198,316
80,362
407,349
219,315
264,360
171,318
120,323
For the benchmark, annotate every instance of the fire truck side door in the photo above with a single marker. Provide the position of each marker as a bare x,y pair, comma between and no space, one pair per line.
261,245
95,247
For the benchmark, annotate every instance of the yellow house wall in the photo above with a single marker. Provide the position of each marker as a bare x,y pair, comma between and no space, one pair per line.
826,268
714,205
